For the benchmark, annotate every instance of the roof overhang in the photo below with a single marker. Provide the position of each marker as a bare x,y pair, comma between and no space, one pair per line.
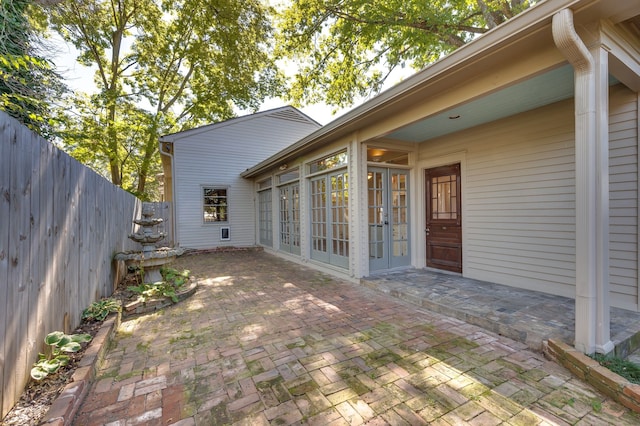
527,39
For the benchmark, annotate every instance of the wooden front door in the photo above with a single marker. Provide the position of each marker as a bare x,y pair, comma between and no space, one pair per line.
444,218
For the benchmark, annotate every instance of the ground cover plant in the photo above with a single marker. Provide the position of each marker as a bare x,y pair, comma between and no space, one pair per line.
620,366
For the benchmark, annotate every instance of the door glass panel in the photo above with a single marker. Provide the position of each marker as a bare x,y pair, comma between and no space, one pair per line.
265,222
376,214
400,208
388,213
339,215
295,215
290,217
443,197
318,215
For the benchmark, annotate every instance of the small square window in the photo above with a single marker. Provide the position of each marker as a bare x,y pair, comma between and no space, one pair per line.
214,203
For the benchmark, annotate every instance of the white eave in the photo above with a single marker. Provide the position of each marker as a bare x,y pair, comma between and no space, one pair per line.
173,137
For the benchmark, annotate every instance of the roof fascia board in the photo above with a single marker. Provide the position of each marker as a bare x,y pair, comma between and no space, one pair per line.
173,137
507,34
624,64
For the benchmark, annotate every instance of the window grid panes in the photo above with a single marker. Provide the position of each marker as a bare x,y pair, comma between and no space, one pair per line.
330,162
400,210
265,217
319,215
289,176
376,214
340,214
214,201
290,217
444,197
265,184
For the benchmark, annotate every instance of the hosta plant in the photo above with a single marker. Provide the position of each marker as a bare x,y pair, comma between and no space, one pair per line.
99,310
58,344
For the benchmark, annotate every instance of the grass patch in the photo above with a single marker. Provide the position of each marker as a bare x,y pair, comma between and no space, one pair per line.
381,357
621,367
296,344
255,367
303,388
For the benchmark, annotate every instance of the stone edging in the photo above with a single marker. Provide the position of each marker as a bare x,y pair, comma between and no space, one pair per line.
589,370
65,406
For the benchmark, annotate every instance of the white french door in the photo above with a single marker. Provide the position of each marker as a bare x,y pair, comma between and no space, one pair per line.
330,218
388,217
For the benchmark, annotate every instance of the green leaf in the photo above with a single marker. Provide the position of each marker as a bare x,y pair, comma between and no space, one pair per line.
38,374
81,338
71,347
54,338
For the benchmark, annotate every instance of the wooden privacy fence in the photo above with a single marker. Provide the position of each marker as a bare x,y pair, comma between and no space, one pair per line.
60,225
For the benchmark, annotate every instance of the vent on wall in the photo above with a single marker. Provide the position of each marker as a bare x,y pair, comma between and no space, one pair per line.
224,233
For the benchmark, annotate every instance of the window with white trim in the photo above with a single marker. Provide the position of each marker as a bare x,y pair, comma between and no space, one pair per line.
215,204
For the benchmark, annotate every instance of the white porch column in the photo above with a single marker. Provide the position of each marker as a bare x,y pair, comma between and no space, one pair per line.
592,186
358,236
601,79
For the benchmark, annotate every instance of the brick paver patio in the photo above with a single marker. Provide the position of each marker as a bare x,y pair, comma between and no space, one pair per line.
266,341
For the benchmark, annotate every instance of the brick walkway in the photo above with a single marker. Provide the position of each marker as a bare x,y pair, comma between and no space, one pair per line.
265,341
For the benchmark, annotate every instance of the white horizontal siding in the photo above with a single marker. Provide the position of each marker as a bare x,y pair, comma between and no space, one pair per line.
216,158
623,197
519,199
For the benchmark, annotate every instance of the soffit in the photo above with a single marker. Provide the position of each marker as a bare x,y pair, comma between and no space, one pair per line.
544,89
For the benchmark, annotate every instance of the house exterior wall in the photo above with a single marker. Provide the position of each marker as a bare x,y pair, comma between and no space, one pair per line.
519,198
301,162
216,158
623,196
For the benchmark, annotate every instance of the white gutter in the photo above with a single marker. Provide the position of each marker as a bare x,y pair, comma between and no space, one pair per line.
592,325
174,227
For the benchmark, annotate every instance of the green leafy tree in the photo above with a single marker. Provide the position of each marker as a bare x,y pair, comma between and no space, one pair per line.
348,48
161,66
29,85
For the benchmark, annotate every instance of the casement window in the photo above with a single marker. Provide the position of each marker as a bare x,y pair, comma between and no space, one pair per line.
215,205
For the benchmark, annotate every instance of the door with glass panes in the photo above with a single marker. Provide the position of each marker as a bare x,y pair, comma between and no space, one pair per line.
388,216
290,218
444,218
330,218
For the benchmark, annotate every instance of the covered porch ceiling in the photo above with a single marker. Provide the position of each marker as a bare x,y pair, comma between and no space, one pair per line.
543,89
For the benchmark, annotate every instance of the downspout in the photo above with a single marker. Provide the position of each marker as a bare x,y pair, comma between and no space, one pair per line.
169,153
592,326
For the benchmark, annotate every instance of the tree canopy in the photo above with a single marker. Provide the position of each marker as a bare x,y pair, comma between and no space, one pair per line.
161,66
347,48
28,83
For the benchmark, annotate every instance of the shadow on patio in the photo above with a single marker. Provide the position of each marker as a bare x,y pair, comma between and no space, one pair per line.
526,316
